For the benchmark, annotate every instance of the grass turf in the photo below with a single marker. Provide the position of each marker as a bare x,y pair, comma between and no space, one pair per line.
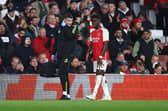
81,105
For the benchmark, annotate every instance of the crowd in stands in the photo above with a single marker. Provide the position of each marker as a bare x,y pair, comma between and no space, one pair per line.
29,32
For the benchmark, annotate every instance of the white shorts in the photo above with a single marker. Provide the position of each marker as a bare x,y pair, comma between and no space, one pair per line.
103,67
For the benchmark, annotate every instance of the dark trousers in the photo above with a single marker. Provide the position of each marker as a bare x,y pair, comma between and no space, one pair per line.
64,64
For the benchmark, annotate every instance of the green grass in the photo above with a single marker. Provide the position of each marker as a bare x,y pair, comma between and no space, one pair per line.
81,105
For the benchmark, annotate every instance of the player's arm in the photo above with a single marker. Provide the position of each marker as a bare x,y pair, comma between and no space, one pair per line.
102,53
88,52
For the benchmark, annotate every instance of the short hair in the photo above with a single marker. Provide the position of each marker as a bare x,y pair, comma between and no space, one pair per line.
157,65
33,18
118,28
32,9
68,15
147,30
21,29
51,5
157,40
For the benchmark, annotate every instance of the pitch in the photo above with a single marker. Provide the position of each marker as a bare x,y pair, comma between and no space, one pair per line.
80,105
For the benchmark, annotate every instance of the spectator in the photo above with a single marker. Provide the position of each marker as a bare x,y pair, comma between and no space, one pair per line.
33,27
39,44
9,5
7,44
146,24
33,66
136,31
76,67
153,62
51,26
159,45
130,18
16,66
125,28
139,67
145,46
157,69
123,9
46,68
123,68
53,9
32,13
20,34
2,68
104,15
25,51
118,44
113,18
11,19
73,9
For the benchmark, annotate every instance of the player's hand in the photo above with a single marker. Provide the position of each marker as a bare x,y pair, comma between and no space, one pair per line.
87,56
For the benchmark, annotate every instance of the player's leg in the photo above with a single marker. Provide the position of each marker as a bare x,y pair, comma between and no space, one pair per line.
104,82
63,73
99,75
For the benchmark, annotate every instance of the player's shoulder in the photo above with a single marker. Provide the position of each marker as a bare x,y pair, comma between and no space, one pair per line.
104,29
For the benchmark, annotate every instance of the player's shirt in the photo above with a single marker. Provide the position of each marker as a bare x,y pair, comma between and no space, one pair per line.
98,37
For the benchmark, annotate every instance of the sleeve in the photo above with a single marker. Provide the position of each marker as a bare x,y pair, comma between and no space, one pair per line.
105,35
135,49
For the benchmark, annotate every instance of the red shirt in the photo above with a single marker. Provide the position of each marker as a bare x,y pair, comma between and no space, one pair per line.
98,37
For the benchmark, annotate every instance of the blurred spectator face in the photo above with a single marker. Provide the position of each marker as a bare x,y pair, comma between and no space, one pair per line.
130,18
112,7
104,9
2,29
141,17
34,62
10,5
140,66
138,25
51,19
14,62
27,41
146,35
120,57
124,24
57,20
142,57
75,63
28,8
83,5
33,13
42,58
158,70
23,24
21,33
122,5
55,9
86,12
73,5
118,34
42,32
124,67
35,21
68,21
12,13
155,59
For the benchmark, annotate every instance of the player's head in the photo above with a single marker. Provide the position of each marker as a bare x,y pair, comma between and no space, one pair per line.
68,19
96,21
